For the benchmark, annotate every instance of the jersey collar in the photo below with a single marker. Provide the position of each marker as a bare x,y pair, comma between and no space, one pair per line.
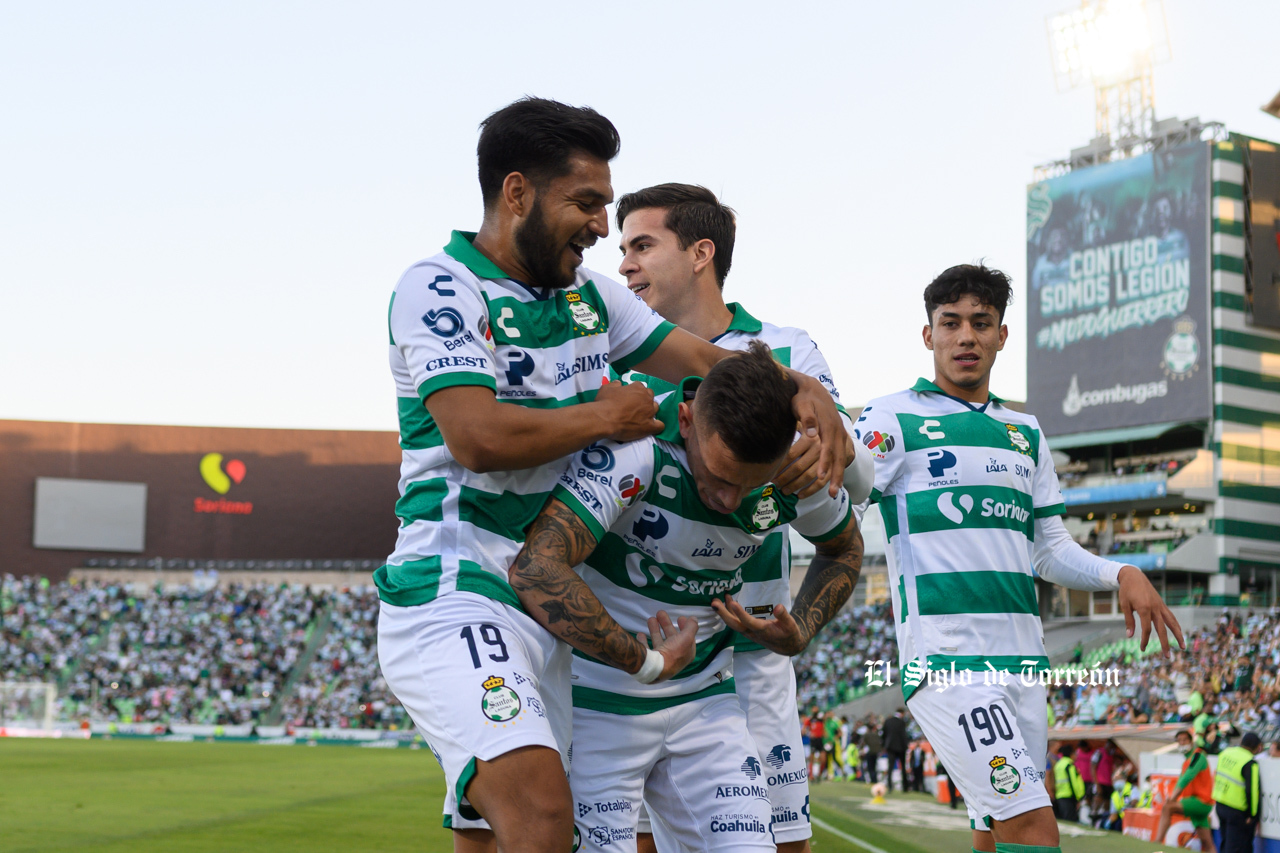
741,322
461,250
669,409
924,386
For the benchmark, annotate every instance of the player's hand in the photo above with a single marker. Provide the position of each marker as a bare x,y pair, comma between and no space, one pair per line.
628,410
781,634
799,473
1137,595
677,643
819,419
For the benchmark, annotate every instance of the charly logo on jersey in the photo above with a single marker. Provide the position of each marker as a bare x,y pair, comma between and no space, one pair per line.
1020,442
584,316
751,767
766,513
519,365
1181,350
944,468
445,322
929,429
630,488
1004,776
778,756
499,703
879,443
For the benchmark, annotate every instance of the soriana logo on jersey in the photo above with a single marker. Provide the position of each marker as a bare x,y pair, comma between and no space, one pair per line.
221,477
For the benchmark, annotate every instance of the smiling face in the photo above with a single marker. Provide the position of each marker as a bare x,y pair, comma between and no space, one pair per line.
655,267
722,479
567,216
965,336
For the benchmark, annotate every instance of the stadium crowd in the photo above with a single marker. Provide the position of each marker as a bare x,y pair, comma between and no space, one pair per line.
834,666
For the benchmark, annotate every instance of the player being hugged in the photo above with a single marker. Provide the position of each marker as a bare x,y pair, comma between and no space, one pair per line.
971,503
680,521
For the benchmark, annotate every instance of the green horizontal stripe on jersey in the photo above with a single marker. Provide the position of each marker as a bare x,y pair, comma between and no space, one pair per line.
950,593
1051,509
646,349
569,499
1001,663
835,531
634,706
551,402
418,582
690,507
449,380
703,654
543,323
993,507
418,430
423,500
963,429
674,584
508,514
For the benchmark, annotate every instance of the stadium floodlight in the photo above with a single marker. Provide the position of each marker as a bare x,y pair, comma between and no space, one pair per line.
1112,45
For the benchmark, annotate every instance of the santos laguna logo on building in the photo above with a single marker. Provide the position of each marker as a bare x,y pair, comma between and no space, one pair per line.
219,476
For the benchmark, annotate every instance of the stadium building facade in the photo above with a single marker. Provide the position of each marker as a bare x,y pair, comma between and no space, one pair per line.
167,497
1154,363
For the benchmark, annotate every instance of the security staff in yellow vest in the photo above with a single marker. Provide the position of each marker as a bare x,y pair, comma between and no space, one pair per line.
1121,796
1148,794
1236,790
1068,788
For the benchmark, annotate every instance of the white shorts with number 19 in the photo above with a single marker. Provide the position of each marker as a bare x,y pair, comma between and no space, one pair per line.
480,679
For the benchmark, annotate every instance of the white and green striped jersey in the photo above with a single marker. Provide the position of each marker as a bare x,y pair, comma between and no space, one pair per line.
960,487
660,548
457,319
792,348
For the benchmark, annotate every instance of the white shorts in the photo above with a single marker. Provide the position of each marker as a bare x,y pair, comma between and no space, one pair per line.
479,678
695,763
992,739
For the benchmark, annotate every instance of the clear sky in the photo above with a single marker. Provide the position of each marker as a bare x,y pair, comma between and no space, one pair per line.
205,206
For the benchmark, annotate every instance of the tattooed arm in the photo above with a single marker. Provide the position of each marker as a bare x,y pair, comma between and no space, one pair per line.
827,585
560,601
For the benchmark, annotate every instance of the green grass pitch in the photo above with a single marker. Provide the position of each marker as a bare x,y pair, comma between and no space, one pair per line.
142,796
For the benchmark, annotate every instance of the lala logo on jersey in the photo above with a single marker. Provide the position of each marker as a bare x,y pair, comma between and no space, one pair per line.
1018,440
629,490
879,443
766,513
584,316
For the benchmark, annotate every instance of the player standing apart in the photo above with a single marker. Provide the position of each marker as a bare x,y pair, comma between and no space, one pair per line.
971,502
677,249
499,346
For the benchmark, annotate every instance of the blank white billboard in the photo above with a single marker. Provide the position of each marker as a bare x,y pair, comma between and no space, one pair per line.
90,515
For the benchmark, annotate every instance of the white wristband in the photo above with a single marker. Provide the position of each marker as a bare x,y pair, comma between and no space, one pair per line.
651,668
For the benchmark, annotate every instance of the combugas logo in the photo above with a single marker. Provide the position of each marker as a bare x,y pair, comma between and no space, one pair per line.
219,477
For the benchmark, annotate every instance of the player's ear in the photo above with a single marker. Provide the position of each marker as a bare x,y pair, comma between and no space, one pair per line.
685,415
1004,336
518,194
928,337
703,252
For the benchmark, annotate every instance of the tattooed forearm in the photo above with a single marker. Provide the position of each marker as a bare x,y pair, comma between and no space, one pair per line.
832,575
558,599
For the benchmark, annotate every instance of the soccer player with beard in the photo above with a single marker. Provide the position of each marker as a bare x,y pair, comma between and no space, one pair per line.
971,504
677,248
499,347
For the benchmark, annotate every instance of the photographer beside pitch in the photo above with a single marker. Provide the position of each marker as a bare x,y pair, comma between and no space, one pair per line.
499,347
971,502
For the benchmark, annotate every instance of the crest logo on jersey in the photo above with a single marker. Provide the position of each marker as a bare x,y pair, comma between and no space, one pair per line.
499,703
928,431
955,514
651,524
445,322
584,316
766,514
597,457
751,767
778,756
1019,441
629,490
1004,777
879,443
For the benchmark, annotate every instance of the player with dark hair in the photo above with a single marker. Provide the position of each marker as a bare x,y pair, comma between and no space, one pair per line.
677,248
499,347
679,521
971,504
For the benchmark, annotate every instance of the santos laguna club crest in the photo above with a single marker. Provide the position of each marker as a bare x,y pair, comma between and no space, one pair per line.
1004,778
499,703
583,314
1182,350
766,514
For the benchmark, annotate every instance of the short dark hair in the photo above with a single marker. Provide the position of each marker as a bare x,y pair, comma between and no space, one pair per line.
1067,750
990,286
693,213
746,400
536,137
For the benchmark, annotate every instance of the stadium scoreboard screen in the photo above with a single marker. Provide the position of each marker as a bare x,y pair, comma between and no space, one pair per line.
1118,293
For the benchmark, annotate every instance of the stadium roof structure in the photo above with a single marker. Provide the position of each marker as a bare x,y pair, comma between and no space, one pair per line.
1132,740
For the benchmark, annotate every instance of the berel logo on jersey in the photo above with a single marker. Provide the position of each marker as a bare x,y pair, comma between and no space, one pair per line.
445,322
597,457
